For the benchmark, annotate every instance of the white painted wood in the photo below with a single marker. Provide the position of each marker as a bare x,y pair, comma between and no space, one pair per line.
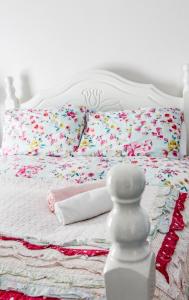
130,268
186,101
105,91
11,101
186,78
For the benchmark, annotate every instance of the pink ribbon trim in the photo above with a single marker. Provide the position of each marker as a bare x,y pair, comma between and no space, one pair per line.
63,250
169,243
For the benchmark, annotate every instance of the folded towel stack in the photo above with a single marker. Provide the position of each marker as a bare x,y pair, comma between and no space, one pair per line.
70,191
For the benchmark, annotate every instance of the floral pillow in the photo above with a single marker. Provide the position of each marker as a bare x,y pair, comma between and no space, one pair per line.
147,131
43,131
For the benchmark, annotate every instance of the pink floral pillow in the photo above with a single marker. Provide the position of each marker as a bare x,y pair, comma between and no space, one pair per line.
43,131
147,131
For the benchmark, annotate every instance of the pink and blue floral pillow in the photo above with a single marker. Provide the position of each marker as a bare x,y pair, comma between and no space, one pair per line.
148,132
42,131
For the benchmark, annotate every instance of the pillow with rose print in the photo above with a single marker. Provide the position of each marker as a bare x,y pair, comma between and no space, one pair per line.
52,132
146,131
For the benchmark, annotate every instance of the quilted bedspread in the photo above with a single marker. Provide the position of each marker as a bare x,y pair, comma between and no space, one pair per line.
68,264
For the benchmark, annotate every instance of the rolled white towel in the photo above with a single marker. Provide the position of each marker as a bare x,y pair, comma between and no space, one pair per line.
95,202
83,206
66,192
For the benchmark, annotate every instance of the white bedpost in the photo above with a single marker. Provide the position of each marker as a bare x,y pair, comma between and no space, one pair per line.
186,101
11,101
130,267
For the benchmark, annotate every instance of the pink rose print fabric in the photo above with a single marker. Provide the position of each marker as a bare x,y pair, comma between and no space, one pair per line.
144,132
43,131
82,169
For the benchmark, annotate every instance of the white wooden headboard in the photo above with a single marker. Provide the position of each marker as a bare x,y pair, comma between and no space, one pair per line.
105,91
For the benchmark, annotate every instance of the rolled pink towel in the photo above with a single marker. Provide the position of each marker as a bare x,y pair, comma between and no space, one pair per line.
57,195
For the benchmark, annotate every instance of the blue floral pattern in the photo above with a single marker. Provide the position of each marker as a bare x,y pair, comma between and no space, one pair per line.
143,132
158,171
43,131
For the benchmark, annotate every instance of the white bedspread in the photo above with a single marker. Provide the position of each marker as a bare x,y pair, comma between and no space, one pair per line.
24,213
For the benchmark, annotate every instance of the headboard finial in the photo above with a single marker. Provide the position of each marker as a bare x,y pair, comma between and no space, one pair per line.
186,78
11,101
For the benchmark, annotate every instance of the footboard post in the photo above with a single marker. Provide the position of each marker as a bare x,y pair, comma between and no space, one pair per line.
130,267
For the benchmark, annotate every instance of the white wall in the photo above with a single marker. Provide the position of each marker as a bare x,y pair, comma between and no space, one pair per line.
45,42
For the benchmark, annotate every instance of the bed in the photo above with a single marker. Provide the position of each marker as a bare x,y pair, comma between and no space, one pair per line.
38,257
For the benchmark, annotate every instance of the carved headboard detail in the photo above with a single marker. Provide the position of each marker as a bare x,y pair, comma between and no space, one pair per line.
104,90
94,99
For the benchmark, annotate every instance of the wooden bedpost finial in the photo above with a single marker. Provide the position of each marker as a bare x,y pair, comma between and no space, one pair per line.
11,101
129,223
186,78
130,260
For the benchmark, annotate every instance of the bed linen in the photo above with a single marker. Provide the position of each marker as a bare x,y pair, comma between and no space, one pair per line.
52,132
144,131
81,169
49,272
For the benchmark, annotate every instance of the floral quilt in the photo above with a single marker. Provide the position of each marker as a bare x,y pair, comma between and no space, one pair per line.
158,171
